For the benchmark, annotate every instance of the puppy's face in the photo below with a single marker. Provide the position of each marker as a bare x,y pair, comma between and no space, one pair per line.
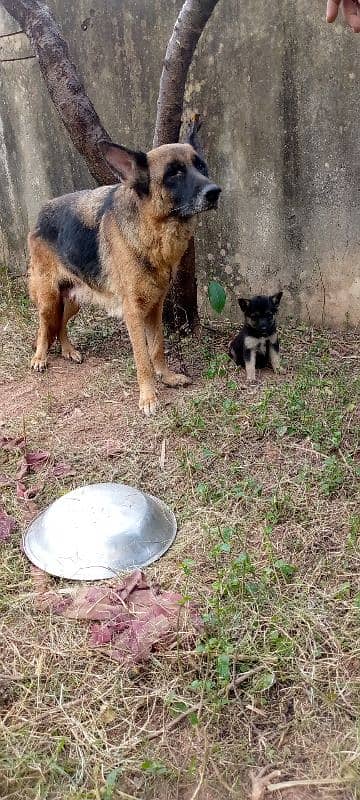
260,312
172,178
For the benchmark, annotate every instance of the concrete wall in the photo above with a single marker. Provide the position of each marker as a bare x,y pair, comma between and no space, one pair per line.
280,92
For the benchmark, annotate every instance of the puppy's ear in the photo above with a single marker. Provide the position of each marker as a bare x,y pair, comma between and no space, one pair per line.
129,166
275,299
244,304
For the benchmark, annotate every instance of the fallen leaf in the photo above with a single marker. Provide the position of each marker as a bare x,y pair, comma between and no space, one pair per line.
23,469
5,481
114,449
28,496
107,714
11,442
7,525
61,469
130,616
36,459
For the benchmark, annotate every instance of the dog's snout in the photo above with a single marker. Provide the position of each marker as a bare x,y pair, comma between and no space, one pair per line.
211,193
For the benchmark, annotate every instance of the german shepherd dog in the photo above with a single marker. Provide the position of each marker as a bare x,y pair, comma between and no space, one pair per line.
257,343
119,247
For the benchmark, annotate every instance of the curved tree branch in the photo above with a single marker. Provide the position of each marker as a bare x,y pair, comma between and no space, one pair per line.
66,89
180,50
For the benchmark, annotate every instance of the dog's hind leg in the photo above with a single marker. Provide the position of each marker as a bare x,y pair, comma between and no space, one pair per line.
155,339
71,308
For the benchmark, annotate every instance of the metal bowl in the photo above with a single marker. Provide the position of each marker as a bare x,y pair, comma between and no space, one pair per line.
98,530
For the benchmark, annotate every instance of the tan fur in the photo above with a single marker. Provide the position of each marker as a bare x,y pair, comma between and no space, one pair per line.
127,288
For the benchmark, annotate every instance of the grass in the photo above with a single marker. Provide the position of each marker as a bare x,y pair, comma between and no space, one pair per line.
265,485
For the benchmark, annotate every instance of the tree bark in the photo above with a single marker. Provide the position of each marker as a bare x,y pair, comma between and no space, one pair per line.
181,307
65,88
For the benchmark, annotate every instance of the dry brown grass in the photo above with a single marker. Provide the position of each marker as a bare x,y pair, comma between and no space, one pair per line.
265,486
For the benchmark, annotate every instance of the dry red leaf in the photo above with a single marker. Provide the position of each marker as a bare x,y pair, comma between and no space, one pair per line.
61,469
131,616
7,525
11,442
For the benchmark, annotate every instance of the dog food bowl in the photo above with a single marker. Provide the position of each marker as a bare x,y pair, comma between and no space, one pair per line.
96,531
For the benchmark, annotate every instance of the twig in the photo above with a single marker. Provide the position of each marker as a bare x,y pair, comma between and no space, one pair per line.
202,775
18,58
173,724
195,709
243,677
277,787
221,780
11,33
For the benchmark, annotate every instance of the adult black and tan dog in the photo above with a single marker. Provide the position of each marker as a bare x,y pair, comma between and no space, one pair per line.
119,247
257,343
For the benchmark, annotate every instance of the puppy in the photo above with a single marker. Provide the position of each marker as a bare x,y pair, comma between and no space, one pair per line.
119,247
257,343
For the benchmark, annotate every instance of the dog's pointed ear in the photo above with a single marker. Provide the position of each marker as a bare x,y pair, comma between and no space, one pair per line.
129,166
244,304
192,136
275,299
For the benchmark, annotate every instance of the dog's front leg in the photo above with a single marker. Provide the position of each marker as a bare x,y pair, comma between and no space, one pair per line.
145,374
155,337
274,353
250,362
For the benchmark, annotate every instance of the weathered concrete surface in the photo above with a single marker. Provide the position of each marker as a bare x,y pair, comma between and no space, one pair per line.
281,95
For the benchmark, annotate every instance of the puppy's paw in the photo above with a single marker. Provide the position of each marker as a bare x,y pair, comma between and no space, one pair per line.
71,354
251,379
175,379
148,401
38,363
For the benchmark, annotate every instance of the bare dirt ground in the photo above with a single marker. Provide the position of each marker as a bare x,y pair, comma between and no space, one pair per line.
264,482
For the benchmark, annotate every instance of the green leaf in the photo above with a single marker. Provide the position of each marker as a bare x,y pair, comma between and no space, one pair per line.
343,591
193,718
286,570
187,565
110,783
217,296
154,767
223,666
264,682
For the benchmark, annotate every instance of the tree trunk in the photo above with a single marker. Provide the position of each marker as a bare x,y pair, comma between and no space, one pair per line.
63,83
181,307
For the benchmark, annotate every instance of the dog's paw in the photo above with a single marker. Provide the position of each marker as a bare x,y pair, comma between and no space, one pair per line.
148,401
71,354
38,364
175,379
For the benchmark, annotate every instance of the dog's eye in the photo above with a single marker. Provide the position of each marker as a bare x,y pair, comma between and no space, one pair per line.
174,171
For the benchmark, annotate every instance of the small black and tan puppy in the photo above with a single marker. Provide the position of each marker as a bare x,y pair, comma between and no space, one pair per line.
257,343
